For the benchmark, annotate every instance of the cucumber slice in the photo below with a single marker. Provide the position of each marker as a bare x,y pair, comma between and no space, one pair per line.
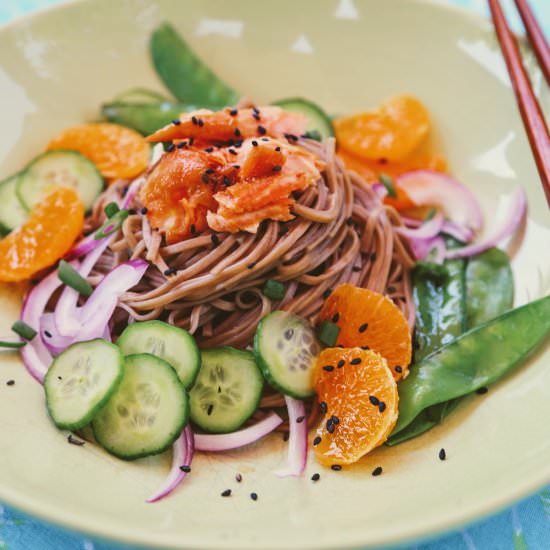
286,349
60,167
184,74
317,118
81,380
12,212
227,391
139,95
175,345
147,413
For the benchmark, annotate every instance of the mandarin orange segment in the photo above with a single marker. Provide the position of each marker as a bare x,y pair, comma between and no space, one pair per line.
392,132
117,151
361,400
369,319
47,235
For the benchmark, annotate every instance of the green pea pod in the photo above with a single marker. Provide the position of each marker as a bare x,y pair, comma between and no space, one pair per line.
145,118
477,358
184,74
489,287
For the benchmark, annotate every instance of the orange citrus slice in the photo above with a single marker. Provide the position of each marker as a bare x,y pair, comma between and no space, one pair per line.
359,394
51,229
370,320
117,151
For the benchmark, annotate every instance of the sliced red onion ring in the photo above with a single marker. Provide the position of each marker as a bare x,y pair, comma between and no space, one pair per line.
513,220
423,247
182,456
35,355
427,230
297,442
457,231
51,337
225,442
429,188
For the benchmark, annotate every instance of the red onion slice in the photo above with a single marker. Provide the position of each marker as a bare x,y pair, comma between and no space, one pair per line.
427,230
234,440
297,442
457,231
182,456
515,217
423,247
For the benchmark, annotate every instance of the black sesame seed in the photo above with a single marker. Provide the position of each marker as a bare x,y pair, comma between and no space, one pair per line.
10,383
328,368
355,361
341,346
205,178
265,139
300,419
323,406
330,426
278,149
327,293
233,152
209,171
291,137
209,150
261,130
60,378
373,257
335,317
277,168
230,142
482,390
289,333
176,122
382,406
238,478
442,454
185,468
254,143
315,477
363,327
251,265
233,112
356,268
201,122
336,467
391,289
256,110
210,409
194,120
215,240
286,436
254,496
236,166
374,400
48,334
170,271
74,441
377,471
237,132
193,229
182,144
144,210
169,147
349,221
132,212
226,180
226,493
256,116
365,347
398,368
238,143
335,419
316,441
191,141
341,363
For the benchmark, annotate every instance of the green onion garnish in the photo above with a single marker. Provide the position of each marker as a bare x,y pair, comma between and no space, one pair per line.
431,213
72,278
274,290
387,182
313,134
112,225
328,333
24,330
12,345
111,209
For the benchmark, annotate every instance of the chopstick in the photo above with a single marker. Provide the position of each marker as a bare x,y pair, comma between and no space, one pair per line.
531,113
536,36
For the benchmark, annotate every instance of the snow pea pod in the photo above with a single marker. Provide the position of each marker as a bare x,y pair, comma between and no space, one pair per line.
477,358
489,287
184,74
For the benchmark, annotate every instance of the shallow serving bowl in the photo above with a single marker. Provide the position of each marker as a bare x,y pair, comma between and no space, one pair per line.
57,66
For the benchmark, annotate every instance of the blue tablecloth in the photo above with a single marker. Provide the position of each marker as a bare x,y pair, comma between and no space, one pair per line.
525,526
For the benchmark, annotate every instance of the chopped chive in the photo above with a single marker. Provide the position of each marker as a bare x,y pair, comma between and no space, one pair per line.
111,209
274,290
11,345
328,333
387,182
68,275
112,224
24,330
431,213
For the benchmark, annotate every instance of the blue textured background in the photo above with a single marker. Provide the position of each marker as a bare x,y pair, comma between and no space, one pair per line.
525,526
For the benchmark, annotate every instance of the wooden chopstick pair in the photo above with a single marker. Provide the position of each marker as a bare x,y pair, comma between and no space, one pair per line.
531,113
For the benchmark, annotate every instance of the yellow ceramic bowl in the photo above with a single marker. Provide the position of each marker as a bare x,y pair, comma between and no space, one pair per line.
56,68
